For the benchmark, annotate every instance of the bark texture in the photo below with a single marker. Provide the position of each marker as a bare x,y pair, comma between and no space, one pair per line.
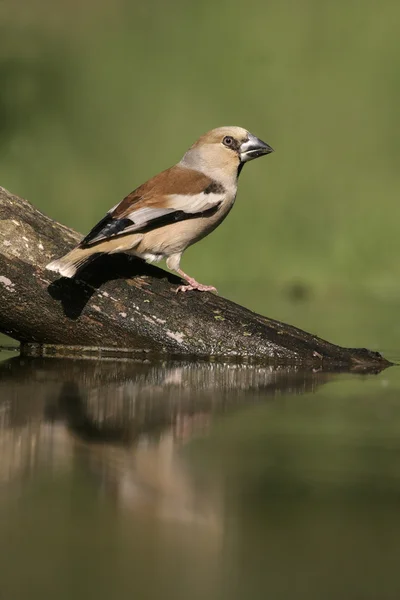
120,303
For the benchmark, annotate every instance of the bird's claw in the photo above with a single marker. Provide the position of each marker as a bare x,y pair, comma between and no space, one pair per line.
199,286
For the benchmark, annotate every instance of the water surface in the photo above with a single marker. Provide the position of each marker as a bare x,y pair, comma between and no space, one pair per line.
197,480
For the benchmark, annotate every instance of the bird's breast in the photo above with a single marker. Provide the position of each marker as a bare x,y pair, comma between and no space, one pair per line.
174,238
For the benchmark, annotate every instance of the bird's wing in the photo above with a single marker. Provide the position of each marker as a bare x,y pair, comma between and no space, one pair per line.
174,195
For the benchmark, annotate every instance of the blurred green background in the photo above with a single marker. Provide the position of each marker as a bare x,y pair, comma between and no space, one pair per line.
98,96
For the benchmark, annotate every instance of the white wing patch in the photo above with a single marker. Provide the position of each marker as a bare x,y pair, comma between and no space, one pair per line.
147,214
194,204
189,204
175,202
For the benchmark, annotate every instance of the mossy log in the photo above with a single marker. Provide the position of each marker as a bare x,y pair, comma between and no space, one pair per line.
120,303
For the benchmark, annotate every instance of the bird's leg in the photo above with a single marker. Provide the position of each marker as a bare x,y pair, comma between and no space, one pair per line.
193,284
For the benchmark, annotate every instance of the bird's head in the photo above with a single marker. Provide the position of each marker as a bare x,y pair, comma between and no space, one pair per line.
225,149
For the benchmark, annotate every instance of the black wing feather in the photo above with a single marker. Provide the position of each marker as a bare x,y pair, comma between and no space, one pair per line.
107,227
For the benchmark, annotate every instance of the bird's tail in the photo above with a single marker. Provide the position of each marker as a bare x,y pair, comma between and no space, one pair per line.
69,264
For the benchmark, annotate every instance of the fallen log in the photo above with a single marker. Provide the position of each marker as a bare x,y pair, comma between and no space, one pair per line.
120,303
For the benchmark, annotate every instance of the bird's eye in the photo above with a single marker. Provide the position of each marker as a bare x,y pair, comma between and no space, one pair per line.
228,140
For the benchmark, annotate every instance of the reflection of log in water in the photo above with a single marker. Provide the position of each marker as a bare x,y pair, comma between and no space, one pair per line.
118,400
126,420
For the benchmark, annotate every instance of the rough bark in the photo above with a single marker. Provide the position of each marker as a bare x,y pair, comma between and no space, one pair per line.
121,303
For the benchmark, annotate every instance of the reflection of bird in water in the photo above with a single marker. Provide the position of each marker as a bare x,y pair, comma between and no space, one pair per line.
182,397
135,460
126,422
134,430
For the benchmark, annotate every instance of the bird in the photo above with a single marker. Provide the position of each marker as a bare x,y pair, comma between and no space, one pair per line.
174,209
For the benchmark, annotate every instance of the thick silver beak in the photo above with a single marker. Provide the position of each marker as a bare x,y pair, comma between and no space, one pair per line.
253,148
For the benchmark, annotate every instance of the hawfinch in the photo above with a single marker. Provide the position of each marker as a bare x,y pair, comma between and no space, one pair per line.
174,209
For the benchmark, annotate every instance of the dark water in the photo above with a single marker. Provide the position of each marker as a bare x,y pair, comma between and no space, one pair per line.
185,481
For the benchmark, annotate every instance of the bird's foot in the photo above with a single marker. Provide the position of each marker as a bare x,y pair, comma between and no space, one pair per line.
192,284
196,286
